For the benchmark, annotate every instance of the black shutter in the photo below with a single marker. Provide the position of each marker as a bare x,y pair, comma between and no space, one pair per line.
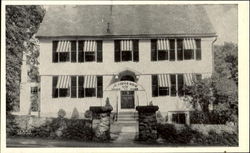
99,50
73,86
80,51
180,49
54,89
136,50
180,84
54,53
172,49
173,84
153,50
99,86
73,51
154,86
117,51
80,86
198,49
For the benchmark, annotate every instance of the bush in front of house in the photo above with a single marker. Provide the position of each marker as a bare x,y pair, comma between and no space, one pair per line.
61,113
12,127
167,132
75,114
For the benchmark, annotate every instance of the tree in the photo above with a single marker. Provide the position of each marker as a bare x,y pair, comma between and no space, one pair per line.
22,23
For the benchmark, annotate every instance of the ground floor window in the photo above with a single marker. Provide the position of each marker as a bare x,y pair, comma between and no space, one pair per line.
179,118
77,86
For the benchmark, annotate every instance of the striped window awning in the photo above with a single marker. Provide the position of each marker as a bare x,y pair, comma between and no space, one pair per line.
189,43
90,81
89,46
163,44
126,45
63,46
189,79
164,80
63,82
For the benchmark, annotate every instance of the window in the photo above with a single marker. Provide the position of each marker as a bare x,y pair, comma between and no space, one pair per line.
87,51
163,91
179,118
60,86
126,50
160,85
34,90
159,49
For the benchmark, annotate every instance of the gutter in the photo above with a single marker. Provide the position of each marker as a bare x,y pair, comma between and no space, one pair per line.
213,54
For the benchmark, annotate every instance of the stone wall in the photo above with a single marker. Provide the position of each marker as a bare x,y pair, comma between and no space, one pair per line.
147,123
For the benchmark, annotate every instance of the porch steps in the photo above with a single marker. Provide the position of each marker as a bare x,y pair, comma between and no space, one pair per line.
127,117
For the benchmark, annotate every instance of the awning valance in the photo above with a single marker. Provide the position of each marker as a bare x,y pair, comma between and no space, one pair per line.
63,46
189,43
163,44
89,46
164,80
126,45
63,82
89,81
189,79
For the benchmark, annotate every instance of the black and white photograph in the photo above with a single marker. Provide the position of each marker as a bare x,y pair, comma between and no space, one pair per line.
122,75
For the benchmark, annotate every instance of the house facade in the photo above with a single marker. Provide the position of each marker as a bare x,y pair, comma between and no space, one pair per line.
130,55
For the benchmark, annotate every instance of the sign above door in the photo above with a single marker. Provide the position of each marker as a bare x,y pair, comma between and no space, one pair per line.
125,86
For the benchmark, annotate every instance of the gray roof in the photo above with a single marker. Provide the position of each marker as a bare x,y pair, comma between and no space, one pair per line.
125,20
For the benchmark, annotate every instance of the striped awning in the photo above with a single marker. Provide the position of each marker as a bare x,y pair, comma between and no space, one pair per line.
163,44
63,46
189,79
89,46
164,80
126,45
90,81
63,82
189,43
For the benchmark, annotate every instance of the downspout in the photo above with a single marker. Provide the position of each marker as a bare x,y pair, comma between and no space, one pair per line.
213,54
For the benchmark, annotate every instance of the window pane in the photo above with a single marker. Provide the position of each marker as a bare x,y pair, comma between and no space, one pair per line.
188,54
63,92
163,91
172,49
90,92
33,90
64,56
173,84
126,56
162,55
90,56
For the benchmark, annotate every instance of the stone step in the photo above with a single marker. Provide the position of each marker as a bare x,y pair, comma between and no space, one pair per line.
126,122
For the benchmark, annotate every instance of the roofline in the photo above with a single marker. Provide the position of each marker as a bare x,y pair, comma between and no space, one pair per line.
139,36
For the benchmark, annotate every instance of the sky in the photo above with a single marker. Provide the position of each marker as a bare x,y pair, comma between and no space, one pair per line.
224,18
225,21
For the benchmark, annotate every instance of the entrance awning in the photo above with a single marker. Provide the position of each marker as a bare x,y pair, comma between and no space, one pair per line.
63,46
63,82
163,44
89,81
126,45
189,79
89,46
164,80
189,44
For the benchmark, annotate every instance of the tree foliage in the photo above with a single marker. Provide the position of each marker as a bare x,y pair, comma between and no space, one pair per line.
22,23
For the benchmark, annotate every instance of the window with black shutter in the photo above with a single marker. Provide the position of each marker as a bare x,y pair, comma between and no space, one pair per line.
198,49
54,89
173,84
180,78
80,86
154,86
73,51
117,51
99,86
99,50
153,50
54,53
73,87
136,50
172,49
80,51
180,49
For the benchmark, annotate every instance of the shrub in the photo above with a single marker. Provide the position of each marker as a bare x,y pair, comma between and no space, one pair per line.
159,117
88,114
75,114
61,113
167,132
12,127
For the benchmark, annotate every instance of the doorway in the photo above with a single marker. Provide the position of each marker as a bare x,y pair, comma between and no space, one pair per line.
127,100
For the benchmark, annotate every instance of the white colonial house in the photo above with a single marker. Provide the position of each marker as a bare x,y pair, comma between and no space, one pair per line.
130,54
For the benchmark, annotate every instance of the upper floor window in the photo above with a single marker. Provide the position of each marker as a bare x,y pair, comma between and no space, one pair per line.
77,86
126,50
87,51
34,90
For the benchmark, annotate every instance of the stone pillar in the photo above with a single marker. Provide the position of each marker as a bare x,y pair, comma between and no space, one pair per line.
147,122
101,123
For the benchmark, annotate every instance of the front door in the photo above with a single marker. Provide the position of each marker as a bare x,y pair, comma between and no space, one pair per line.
127,100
